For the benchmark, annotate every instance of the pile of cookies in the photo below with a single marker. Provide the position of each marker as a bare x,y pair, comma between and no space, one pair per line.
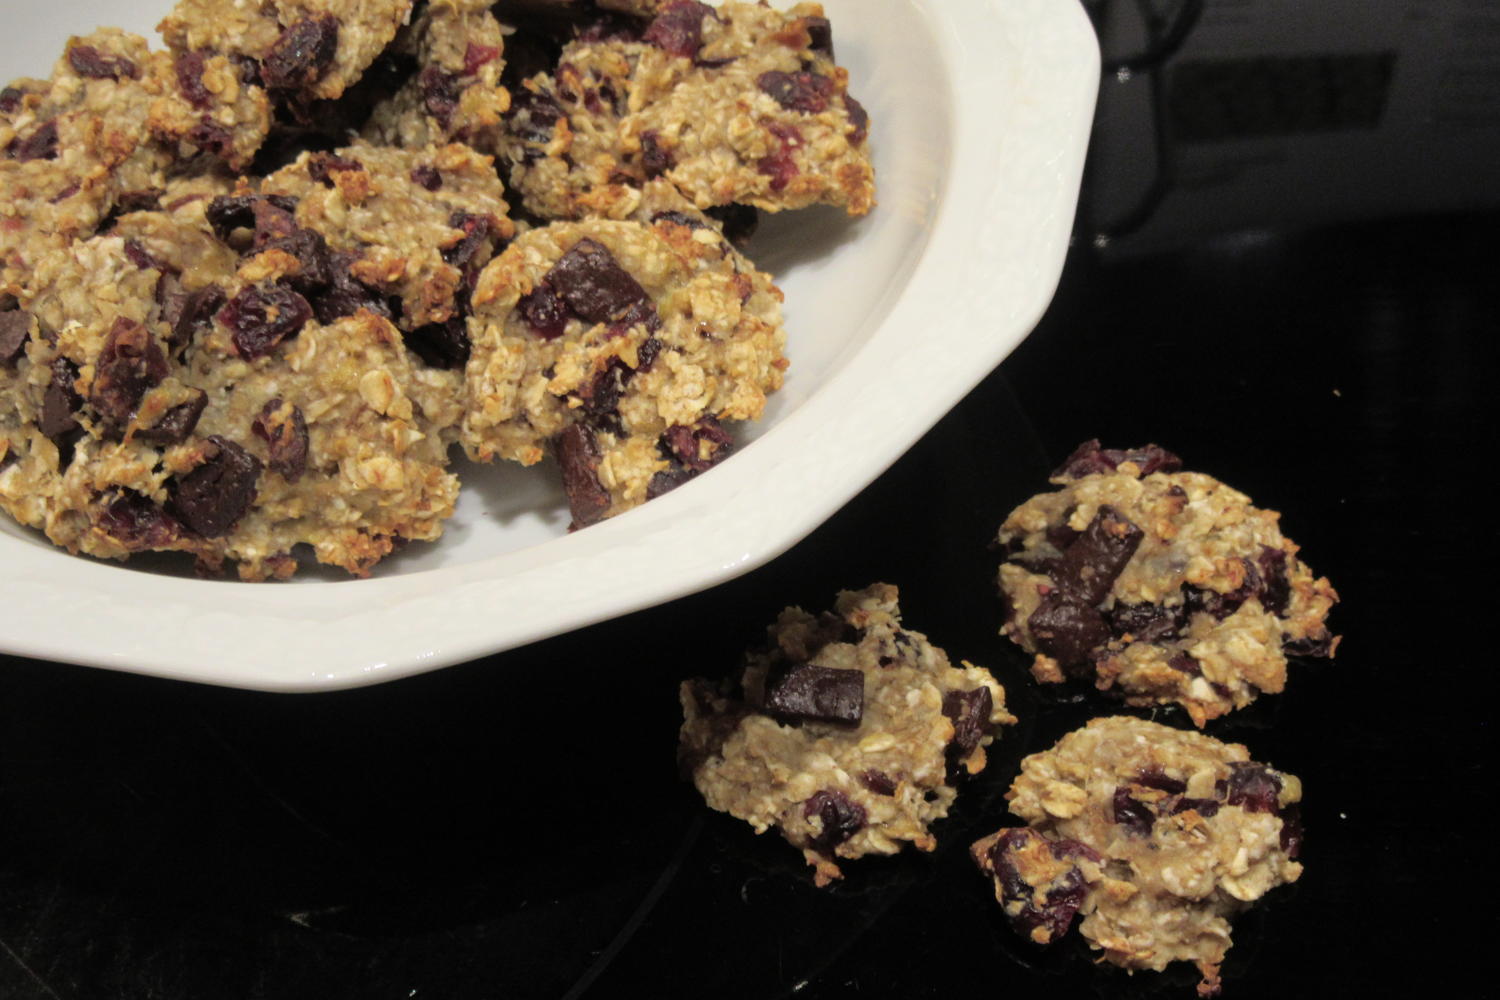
852,734
254,286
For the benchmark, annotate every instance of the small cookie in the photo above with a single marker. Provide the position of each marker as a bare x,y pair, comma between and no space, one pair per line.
1157,836
739,104
455,93
849,733
1164,586
624,346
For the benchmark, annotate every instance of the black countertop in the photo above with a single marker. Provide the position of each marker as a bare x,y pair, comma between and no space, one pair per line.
1283,272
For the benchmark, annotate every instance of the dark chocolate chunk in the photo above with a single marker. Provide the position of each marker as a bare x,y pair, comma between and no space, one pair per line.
283,428
90,62
819,35
678,28
1090,459
801,91
1091,564
137,523
216,494
1131,813
302,54
1066,630
129,363
187,313
1291,830
578,455
344,294
441,345
738,222
858,117
818,694
176,423
476,229
260,317
970,713
15,330
10,99
594,284
1313,645
1147,622
59,401
841,817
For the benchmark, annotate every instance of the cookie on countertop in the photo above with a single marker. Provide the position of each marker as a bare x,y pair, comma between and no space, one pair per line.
623,348
1160,585
735,104
1156,836
848,733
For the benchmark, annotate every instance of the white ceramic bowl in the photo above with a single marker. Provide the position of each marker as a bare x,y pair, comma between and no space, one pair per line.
980,115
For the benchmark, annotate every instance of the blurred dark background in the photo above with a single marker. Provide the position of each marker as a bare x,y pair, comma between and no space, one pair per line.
1283,270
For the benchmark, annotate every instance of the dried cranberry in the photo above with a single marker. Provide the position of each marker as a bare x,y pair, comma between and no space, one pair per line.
227,213
441,345
678,29
679,219
841,817
174,426
1252,786
601,397
779,165
343,294
476,56
15,330
144,200
129,363
10,99
427,176
216,494
578,455
189,67
1186,663
138,523
688,444
801,91
592,282
544,311
818,694
1040,913
969,711
1207,808
1067,630
322,166
1276,589
259,318
302,54
532,116
90,62
878,782
283,428
656,159
1090,459
41,144
440,93
137,254
1132,814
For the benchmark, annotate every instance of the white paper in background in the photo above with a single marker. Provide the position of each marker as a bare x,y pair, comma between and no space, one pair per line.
1433,146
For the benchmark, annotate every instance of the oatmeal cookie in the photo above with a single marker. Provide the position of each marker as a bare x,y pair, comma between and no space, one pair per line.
625,346
76,147
1157,836
739,104
1164,586
849,733
208,380
455,93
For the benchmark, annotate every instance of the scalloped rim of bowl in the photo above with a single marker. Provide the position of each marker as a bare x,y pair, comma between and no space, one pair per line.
1020,79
